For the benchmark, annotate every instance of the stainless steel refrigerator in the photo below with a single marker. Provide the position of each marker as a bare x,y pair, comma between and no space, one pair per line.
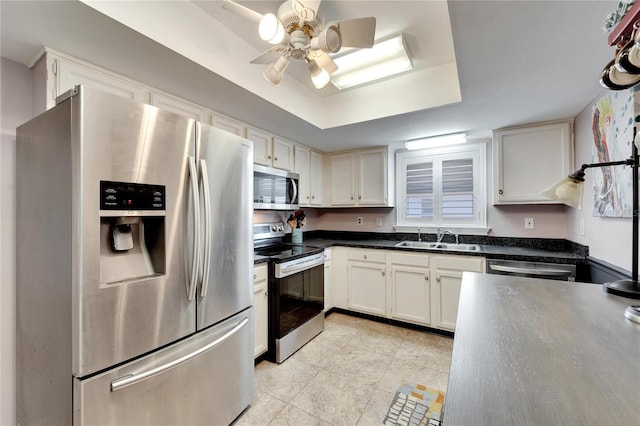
134,267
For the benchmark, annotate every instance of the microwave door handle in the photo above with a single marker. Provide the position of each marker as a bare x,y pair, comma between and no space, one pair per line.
295,191
207,228
193,181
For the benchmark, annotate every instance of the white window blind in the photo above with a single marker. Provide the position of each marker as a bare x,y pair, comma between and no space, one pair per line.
442,187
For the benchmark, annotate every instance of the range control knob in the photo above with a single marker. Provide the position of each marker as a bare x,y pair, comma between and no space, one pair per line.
280,228
274,228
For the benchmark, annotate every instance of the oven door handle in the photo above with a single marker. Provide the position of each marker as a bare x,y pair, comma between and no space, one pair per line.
289,268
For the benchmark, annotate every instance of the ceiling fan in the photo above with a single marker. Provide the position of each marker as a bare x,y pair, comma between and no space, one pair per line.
297,32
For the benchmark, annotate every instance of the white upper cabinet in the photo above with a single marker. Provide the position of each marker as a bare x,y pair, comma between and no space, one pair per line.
228,124
528,159
269,150
361,178
282,153
179,106
55,74
308,164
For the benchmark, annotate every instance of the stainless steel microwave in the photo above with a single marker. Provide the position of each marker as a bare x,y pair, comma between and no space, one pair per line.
274,189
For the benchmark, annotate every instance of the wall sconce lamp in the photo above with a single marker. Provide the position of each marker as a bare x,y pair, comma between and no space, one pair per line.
569,192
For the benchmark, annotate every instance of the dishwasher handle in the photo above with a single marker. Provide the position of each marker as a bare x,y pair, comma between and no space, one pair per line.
531,271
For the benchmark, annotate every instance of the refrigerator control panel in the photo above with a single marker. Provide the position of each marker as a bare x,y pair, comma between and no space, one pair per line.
131,196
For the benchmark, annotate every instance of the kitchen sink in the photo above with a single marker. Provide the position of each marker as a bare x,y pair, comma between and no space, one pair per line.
420,245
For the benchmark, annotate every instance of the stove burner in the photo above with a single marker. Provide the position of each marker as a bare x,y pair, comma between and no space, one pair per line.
282,251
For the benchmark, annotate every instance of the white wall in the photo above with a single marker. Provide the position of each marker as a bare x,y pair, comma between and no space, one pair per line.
609,239
15,88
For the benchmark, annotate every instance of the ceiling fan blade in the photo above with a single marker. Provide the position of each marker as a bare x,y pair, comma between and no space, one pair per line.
306,9
241,10
270,55
359,32
323,60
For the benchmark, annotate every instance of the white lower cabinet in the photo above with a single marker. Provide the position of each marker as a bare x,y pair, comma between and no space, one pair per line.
409,288
261,309
446,274
417,288
366,271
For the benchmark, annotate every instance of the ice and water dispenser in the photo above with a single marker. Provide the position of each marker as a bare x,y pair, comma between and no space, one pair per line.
132,225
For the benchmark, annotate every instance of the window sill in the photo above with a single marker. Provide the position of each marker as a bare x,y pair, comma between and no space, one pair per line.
461,230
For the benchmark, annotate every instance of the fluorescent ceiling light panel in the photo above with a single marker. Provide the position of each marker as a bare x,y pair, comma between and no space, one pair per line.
435,141
386,58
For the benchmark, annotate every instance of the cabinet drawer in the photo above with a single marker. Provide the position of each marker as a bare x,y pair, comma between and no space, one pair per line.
461,263
260,274
409,259
368,255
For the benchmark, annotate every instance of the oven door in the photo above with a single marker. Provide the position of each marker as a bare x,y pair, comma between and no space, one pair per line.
296,299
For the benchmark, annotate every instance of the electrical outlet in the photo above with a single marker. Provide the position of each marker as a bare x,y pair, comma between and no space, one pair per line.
378,221
359,221
528,223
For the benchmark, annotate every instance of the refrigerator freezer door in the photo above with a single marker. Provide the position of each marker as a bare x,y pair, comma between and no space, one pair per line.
117,140
227,170
206,379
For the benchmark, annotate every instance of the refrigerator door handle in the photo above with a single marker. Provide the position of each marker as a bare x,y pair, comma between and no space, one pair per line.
193,278
207,228
131,379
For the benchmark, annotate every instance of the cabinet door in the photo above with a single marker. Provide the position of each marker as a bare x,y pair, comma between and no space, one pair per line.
342,179
229,125
282,154
367,287
69,74
260,305
179,106
410,294
340,277
372,173
261,146
527,160
315,178
301,166
447,295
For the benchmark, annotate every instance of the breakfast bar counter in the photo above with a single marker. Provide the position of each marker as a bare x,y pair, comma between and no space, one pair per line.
533,351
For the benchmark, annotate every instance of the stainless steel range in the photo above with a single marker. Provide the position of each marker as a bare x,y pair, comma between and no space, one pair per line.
296,290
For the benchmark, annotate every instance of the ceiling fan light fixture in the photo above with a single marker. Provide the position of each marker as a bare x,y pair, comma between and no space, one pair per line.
275,71
271,29
329,39
384,59
321,80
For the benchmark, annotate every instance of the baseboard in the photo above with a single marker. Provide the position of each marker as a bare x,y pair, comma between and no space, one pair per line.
602,272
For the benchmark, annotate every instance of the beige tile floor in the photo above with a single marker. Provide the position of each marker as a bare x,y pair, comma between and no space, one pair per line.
347,375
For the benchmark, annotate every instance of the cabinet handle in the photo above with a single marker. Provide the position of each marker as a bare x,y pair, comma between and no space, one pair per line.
426,277
438,279
275,158
313,197
500,191
254,277
359,197
269,157
266,293
307,197
382,273
365,256
352,197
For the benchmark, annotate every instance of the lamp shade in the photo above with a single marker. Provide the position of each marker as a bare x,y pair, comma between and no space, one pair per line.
275,71
271,29
568,191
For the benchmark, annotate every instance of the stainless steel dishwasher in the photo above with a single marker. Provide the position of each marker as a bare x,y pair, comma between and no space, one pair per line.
550,271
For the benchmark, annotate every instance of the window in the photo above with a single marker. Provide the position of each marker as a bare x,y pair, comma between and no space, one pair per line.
443,186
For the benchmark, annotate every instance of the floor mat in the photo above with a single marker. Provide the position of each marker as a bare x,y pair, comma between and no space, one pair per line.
415,405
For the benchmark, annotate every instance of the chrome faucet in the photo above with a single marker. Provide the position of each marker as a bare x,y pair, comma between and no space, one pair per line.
441,235
419,237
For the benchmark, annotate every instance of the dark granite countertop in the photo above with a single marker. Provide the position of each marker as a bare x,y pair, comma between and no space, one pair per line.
524,249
